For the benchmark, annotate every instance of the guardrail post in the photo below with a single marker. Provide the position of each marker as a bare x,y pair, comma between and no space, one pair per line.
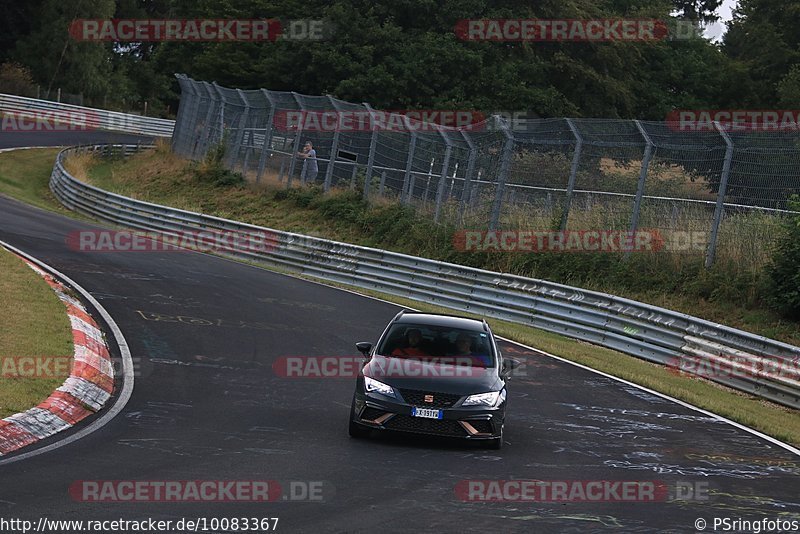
573,173
265,149
372,146
637,203
296,145
443,177
412,145
334,149
466,190
505,168
719,210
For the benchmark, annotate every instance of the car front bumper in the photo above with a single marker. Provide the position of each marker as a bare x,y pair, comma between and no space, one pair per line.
380,412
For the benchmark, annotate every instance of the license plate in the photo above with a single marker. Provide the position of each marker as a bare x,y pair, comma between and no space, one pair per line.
426,413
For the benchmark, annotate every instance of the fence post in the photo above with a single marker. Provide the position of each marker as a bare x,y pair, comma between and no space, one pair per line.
205,135
373,141
262,160
221,111
505,168
448,152
637,203
573,173
233,159
382,184
428,182
296,145
723,187
407,183
334,149
466,190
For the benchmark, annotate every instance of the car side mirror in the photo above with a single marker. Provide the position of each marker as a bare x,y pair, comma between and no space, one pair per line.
364,347
509,364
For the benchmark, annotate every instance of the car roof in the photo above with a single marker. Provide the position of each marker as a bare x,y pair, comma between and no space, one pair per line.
433,319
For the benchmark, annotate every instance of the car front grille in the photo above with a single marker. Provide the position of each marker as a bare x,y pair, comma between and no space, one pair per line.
440,400
443,427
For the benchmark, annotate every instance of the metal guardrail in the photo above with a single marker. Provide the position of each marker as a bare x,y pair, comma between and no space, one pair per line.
737,359
83,117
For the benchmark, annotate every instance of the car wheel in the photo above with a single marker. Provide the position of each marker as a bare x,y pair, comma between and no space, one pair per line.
355,430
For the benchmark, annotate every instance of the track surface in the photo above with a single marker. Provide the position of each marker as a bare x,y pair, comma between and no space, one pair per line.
208,406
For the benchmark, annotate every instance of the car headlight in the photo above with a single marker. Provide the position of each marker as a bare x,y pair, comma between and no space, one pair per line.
373,385
493,398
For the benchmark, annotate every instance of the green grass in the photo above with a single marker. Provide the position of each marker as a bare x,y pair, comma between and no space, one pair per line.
34,323
725,294
161,177
25,174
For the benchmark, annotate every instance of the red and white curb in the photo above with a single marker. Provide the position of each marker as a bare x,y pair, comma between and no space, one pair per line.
84,392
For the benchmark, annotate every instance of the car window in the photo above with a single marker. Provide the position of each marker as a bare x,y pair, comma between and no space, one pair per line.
463,347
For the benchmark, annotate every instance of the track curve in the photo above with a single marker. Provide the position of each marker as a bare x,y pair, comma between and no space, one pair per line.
204,333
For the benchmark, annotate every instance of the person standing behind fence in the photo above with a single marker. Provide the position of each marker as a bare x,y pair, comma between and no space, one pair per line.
310,168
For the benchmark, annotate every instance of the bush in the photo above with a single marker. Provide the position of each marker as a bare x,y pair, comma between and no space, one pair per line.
213,170
784,270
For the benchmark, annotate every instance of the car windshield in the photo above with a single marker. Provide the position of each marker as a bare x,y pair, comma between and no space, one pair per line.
438,344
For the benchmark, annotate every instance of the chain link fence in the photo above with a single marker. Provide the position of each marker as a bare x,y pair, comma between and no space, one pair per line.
720,193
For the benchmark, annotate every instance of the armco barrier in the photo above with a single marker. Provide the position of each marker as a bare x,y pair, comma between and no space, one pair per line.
726,355
89,118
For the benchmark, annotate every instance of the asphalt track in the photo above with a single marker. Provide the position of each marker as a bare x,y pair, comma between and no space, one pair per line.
207,405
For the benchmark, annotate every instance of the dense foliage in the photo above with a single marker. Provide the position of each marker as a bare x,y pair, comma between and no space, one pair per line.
405,54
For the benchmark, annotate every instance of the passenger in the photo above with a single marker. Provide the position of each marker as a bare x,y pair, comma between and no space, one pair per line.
464,348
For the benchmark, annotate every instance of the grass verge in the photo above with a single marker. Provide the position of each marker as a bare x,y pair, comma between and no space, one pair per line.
34,324
163,178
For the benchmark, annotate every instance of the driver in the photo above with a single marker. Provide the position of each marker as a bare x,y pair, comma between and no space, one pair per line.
413,340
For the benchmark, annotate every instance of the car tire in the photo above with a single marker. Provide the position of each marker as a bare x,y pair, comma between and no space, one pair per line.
354,429
495,444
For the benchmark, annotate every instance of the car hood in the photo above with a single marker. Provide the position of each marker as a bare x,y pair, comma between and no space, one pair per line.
432,376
